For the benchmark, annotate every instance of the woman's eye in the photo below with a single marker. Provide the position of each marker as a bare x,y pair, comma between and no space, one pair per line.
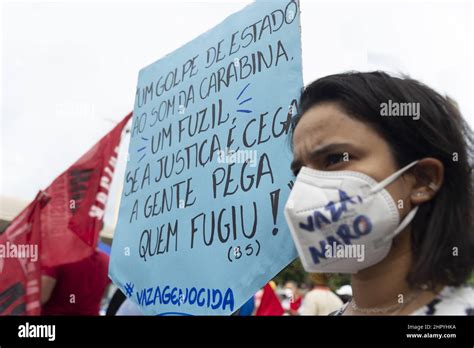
336,158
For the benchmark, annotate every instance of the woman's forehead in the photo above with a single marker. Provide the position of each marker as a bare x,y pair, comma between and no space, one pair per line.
322,118
325,123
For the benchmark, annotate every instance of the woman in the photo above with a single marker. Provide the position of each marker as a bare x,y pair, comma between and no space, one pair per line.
384,191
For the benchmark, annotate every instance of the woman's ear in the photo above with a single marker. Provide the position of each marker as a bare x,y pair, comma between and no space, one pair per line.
428,174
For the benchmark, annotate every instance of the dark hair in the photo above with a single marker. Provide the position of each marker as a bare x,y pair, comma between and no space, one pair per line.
446,221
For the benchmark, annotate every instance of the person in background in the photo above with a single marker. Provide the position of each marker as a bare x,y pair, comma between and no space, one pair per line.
344,293
293,298
320,300
75,288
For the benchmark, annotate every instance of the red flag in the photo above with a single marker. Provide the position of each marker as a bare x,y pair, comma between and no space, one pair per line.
73,218
270,304
20,263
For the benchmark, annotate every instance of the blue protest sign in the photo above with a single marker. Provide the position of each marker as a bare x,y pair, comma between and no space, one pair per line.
201,225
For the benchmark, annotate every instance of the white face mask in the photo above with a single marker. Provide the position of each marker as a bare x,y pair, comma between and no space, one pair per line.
343,221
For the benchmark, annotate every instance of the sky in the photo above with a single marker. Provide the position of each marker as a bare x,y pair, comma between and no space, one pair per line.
69,69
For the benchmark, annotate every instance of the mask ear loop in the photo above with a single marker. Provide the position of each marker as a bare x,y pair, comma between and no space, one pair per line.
405,222
387,181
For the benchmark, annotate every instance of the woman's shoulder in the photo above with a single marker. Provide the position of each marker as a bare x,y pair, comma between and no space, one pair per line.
450,301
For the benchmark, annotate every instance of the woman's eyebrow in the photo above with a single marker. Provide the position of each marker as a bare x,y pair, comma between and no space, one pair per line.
328,148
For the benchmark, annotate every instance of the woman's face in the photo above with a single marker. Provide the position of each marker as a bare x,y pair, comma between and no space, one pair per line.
326,138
